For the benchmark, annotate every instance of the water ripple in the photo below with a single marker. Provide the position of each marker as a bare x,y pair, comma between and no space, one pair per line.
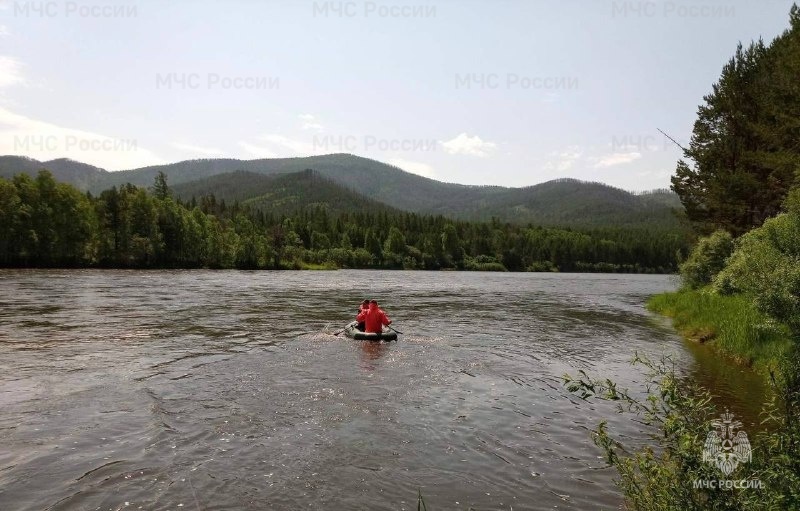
201,389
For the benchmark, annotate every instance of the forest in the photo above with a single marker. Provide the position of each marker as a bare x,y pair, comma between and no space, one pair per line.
44,223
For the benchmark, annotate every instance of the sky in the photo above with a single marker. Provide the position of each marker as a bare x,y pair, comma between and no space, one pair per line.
494,92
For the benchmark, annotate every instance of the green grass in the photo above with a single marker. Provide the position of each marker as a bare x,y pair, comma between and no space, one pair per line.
302,265
731,324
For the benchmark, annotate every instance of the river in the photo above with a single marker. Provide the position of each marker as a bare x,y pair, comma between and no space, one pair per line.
169,390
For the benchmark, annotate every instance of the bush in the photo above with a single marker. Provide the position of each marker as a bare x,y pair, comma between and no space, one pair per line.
542,266
483,263
706,260
766,265
679,415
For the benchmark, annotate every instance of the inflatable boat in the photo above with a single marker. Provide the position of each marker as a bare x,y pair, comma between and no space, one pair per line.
352,332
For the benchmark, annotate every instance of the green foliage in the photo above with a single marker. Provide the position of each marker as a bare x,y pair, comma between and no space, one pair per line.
706,259
541,266
451,245
395,242
678,415
44,222
744,145
160,188
483,263
766,265
50,224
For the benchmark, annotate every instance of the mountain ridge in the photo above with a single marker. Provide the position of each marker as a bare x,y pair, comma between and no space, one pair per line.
279,193
565,201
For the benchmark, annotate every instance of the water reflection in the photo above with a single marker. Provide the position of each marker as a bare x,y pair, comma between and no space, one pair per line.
734,387
370,353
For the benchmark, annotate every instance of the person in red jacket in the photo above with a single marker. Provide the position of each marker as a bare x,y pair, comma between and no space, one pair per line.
374,318
363,308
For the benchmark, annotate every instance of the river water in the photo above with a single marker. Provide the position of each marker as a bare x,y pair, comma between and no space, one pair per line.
203,390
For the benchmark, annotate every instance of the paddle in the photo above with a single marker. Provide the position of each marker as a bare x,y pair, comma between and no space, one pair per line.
395,331
337,333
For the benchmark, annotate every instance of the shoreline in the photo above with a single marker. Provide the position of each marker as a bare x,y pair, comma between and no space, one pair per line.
729,326
324,268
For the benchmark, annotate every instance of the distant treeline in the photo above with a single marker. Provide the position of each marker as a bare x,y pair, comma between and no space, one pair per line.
48,224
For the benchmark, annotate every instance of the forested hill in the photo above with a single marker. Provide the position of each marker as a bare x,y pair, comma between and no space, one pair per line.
563,202
577,203
281,193
80,175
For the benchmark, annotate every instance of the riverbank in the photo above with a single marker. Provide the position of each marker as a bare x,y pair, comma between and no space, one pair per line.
731,325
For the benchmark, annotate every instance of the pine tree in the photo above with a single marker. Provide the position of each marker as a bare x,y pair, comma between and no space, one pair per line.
744,151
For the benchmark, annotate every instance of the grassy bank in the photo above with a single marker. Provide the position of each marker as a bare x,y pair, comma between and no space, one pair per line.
731,324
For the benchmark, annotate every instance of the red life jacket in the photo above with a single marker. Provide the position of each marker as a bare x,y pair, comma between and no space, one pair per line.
374,319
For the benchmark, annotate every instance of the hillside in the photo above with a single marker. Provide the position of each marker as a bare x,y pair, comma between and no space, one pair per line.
573,202
281,193
564,202
80,175
382,182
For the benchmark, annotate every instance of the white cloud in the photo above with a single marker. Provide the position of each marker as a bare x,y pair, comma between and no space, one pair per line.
613,159
10,72
415,167
286,144
551,98
3,30
41,140
565,160
257,151
310,123
472,146
272,145
194,149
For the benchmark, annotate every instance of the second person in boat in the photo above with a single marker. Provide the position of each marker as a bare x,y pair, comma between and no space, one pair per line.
362,308
374,318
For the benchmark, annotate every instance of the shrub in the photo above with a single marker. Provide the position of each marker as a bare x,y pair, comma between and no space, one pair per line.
679,415
483,263
706,260
542,266
766,265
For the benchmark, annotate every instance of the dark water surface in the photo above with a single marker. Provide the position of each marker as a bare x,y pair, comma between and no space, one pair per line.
207,390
